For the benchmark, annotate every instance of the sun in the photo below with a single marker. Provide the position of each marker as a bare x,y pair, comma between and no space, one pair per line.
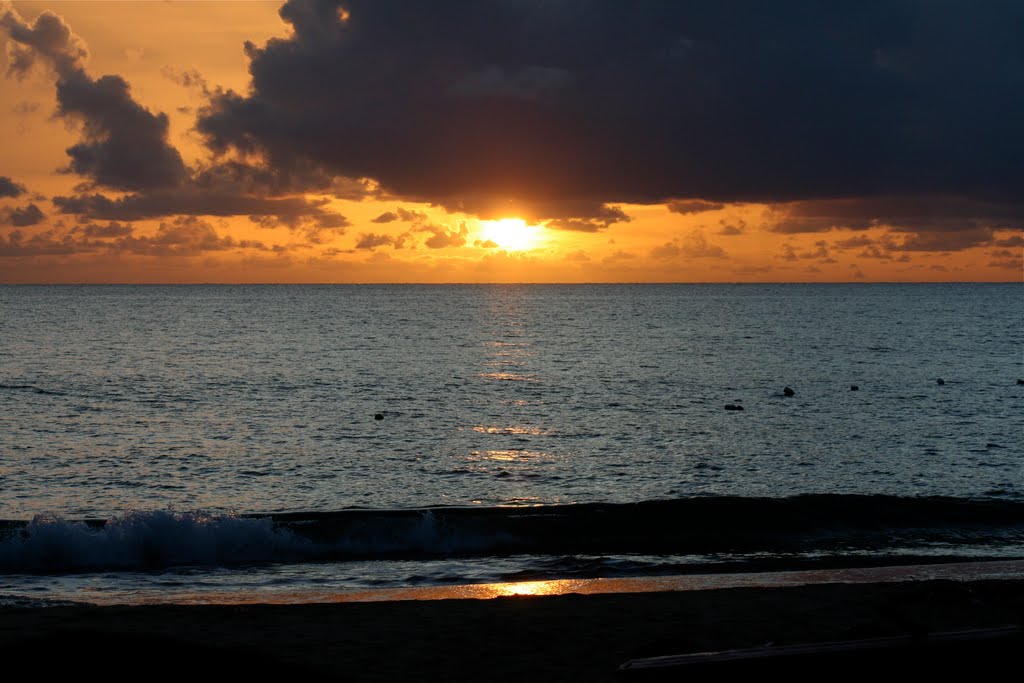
511,234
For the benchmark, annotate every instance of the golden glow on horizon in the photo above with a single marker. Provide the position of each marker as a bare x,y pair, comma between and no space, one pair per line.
154,46
511,234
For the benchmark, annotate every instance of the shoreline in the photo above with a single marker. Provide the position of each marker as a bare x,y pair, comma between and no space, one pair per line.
517,637
964,571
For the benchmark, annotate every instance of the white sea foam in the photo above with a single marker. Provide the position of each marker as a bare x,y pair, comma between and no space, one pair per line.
150,540
153,539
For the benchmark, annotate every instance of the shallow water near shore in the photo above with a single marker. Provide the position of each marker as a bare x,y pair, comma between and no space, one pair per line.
225,436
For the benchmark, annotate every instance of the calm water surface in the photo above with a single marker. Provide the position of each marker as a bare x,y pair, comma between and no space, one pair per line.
259,399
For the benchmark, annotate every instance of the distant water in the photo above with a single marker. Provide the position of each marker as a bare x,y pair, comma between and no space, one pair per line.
229,433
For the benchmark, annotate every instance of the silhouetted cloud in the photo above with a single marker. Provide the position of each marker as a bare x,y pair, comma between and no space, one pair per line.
640,102
22,217
853,242
400,214
124,145
1004,258
1011,241
133,207
688,206
442,236
184,236
899,213
694,245
600,217
732,229
371,241
9,188
946,240
111,229
48,243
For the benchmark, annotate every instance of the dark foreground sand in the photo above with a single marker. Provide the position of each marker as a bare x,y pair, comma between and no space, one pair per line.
566,637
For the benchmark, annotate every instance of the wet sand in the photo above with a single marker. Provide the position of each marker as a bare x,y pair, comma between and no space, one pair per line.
517,637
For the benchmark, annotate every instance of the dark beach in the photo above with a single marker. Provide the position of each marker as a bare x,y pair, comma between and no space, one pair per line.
521,638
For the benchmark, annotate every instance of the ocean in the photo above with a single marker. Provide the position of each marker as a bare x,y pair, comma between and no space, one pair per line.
232,443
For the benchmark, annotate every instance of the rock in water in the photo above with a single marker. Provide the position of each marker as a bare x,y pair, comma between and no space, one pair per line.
940,381
854,387
378,416
788,392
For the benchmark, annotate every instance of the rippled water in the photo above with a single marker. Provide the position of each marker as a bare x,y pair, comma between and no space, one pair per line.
262,398
185,415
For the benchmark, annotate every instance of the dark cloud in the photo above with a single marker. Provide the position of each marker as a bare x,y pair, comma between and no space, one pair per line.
640,102
853,242
48,37
732,229
442,237
400,214
874,251
186,78
1011,241
386,217
694,245
184,236
580,215
930,213
598,219
1004,258
111,229
372,241
951,240
317,228
9,188
820,251
249,177
191,201
938,241
48,243
124,145
688,206
22,217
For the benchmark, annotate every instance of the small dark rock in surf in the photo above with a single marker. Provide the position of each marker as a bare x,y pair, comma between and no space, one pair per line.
730,406
940,381
854,387
378,416
788,392
1020,382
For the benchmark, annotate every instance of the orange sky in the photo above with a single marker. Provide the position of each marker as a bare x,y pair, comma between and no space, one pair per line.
154,45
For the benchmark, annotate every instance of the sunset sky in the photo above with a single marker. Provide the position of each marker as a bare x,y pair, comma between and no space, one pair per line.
511,141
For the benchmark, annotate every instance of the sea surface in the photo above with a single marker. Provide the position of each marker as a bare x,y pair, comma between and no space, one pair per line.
166,443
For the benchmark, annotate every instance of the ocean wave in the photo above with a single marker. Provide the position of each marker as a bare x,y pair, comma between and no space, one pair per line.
145,540
776,526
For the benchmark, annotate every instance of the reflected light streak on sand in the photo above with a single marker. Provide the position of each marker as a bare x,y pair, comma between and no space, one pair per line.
962,571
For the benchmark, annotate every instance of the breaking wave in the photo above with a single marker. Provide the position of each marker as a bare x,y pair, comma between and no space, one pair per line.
153,540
